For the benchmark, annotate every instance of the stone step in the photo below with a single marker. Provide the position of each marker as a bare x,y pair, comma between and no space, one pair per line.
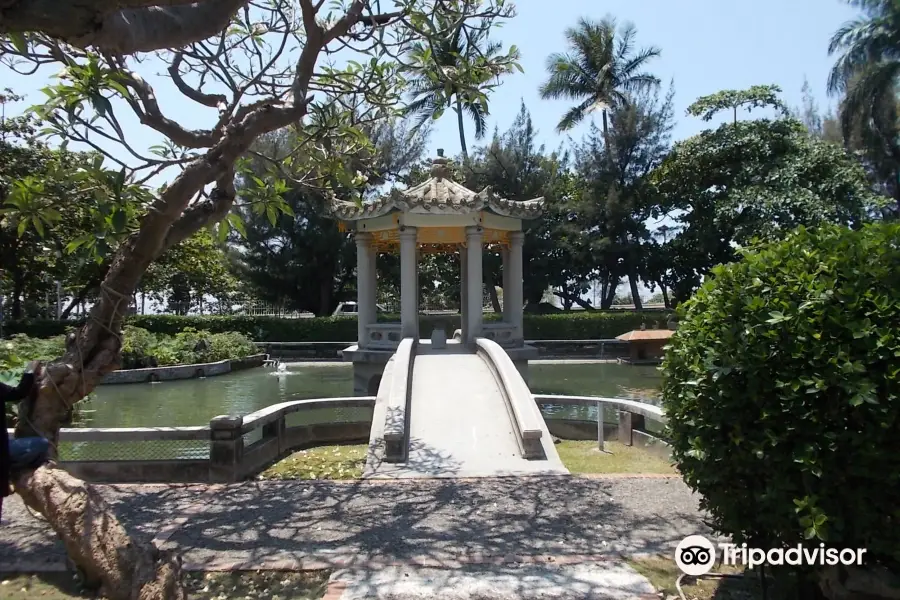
606,580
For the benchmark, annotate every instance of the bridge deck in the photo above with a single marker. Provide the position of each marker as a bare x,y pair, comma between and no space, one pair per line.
459,422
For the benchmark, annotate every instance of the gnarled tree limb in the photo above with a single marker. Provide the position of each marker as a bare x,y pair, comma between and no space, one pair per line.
120,26
96,541
211,100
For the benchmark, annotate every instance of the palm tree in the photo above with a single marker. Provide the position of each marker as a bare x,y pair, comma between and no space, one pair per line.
869,65
599,71
867,73
457,70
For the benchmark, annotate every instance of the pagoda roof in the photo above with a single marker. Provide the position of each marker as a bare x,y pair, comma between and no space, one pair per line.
439,195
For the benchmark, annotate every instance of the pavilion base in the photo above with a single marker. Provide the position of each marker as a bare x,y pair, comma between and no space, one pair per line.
368,365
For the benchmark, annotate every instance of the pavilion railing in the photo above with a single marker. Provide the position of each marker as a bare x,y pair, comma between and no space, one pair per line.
233,448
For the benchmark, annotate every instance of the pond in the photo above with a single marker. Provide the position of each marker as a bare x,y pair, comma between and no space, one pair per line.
196,401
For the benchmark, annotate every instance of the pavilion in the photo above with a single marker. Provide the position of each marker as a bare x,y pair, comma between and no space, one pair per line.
442,216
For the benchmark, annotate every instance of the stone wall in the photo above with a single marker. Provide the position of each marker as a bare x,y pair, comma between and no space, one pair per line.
182,371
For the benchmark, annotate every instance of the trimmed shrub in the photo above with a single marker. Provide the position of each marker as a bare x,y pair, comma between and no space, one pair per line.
140,348
557,326
782,391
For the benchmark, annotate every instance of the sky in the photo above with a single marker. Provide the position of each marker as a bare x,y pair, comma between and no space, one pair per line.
707,46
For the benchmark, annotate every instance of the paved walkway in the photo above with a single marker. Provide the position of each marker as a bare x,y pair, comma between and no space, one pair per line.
439,523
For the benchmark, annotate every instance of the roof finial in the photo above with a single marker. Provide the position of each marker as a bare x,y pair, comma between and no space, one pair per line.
439,168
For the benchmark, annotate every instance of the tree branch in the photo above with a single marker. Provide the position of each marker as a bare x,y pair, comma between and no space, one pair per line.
211,210
120,26
211,100
151,116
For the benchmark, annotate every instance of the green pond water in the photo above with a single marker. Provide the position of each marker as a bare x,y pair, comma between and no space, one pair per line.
196,401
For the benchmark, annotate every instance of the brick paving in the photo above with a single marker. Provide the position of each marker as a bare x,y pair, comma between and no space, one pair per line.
368,524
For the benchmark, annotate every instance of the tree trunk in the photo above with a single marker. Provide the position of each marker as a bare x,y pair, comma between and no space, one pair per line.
665,295
462,130
606,140
610,292
96,541
635,296
571,299
18,289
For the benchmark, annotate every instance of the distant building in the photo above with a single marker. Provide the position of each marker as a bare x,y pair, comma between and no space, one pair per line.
645,346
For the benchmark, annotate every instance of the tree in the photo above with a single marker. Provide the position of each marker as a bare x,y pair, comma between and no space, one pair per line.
265,90
38,185
616,200
826,127
758,96
457,69
865,76
600,71
120,26
515,167
302,259
748,181
188,272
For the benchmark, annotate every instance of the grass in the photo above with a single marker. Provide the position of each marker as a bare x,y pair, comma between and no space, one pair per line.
324,462
584,457
269,585
663,572
347,461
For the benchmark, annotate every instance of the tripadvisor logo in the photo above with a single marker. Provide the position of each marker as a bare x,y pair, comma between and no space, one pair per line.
695,555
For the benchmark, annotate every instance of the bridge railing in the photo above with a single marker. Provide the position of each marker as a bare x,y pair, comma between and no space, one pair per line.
232,448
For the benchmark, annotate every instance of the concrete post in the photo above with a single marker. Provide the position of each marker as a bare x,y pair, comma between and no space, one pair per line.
474,282
463,292
365,293
504,254
628,422
516,278
409,289
226,449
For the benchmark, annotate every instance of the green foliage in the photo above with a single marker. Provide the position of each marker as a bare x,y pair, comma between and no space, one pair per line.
758,96
782,392
303,260
140,348
747,181
516,167
865,77
561,325
190,270
458,67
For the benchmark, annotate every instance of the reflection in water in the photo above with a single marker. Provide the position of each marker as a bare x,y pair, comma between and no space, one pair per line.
195,402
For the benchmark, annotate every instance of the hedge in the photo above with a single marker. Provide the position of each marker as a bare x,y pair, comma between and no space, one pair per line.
782,393
557,326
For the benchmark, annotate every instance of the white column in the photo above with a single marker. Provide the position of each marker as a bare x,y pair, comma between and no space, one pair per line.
474,282
365,291
373,278
409,318
516,277
504,254
463,292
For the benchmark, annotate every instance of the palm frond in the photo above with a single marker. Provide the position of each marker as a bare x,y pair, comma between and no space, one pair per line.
478,116
573,116
566,81
866,91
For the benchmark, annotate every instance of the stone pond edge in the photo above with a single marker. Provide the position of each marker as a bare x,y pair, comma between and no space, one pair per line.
177,372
